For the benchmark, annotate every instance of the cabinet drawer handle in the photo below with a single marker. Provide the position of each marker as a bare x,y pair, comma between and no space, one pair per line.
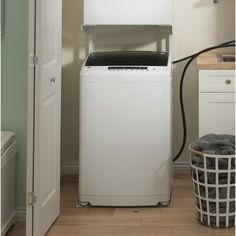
228,81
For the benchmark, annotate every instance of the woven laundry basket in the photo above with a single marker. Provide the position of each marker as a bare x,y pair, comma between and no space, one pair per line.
214,188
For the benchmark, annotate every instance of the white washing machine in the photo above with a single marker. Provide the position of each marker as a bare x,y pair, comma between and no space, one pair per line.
125,129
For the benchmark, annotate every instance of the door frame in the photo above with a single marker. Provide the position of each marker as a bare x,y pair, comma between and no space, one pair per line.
30,114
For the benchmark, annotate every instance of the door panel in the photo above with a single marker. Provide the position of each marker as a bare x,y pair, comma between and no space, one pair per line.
47,115
50,27
48,164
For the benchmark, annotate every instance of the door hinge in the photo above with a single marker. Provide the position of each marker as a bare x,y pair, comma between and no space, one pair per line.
33,60
32,199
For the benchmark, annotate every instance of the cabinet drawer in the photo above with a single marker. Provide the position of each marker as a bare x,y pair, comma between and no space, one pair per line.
216,113
216,81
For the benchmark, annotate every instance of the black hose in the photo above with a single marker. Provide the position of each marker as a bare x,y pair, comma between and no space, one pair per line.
188,57
224,45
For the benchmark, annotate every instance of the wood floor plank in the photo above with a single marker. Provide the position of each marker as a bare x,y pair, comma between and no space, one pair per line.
17,230
179,219
110,231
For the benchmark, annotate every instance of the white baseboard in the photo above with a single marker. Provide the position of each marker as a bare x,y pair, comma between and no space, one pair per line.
69,168
181,167
7,225
72,168
20,215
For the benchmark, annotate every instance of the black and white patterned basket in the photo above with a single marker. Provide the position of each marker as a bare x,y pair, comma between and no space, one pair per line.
214,188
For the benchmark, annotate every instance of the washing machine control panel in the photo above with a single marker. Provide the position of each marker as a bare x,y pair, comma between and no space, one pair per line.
112,68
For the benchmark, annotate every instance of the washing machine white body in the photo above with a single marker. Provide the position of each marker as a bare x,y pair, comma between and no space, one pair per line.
125,146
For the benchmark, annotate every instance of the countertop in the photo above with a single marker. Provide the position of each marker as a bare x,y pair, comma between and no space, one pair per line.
210,61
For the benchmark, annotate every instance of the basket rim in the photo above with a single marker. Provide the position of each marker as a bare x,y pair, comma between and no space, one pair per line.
202,154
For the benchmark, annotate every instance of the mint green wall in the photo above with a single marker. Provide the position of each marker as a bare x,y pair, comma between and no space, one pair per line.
14,85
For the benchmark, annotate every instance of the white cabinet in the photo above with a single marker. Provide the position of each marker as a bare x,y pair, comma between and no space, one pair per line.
216,102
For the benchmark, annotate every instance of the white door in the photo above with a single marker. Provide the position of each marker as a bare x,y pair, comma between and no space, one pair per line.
47,115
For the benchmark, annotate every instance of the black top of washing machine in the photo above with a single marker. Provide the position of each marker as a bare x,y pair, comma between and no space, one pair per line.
128,58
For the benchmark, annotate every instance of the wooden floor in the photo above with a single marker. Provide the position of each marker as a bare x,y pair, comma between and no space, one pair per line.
178,219
17,230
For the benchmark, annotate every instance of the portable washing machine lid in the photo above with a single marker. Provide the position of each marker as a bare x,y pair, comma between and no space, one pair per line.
127,58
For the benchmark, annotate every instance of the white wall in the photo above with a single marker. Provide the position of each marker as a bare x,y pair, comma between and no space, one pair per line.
14,63
197,24
74,42
200,23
